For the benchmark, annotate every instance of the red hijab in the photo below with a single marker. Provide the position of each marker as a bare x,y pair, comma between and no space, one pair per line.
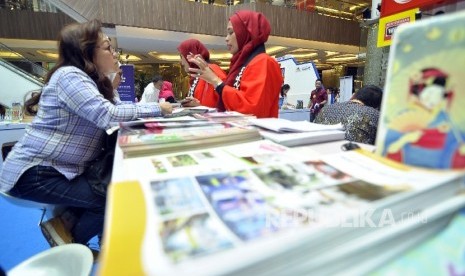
252,29
196,48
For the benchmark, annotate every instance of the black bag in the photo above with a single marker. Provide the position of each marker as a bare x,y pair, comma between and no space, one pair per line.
99,172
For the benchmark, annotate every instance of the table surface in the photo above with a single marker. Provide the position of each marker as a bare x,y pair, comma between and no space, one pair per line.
11,125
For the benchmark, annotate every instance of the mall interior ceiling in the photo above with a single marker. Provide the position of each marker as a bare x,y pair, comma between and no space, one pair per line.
165,43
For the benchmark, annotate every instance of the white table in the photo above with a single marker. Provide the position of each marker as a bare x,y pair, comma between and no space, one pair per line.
295,114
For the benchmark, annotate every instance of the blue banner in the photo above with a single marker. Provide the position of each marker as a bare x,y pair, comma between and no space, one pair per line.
126,88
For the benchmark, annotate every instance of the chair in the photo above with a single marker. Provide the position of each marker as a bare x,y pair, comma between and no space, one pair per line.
44,207
6,147
69,260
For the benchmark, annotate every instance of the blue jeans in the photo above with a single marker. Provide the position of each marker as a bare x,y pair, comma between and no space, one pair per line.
47,185
312,116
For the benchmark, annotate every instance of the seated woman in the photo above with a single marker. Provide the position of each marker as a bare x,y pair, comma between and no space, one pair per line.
254,80
200,91
166,92
359,115
75,108
283,99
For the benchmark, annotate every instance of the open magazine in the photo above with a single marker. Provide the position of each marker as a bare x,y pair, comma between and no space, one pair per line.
269,201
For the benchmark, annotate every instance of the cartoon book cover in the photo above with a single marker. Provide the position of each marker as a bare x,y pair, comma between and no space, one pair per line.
422,121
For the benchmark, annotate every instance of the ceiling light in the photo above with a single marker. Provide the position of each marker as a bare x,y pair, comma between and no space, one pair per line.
48,54
309,55
339,59
274,49
129,57
8,54
217,55
166,57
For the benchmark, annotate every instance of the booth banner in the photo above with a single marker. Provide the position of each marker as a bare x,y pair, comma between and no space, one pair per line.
306,5
388,24
389,7
126,88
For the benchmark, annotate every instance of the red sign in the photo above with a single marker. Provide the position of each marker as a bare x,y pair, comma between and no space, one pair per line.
392,26
307,5
389,7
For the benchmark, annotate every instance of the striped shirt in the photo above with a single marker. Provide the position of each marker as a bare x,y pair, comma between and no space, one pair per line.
69,128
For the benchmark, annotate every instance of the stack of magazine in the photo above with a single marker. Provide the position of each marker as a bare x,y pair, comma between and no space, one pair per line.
297,133
156,136
272,210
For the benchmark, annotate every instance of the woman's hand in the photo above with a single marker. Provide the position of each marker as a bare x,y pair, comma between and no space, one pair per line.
190,102
166,108
204,72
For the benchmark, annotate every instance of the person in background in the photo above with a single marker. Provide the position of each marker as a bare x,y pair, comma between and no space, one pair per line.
331,95
2,110
75,107
254,80
359,115
152,90
318,99
200,91
337,95
166,92
283,99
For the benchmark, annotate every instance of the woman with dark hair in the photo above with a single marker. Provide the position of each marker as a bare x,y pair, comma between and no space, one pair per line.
75,108
254,80
200,91
283,99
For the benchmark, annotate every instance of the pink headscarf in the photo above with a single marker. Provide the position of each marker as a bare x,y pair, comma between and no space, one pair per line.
166,90
252,29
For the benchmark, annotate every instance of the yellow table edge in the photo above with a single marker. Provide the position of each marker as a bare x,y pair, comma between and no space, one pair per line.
124,230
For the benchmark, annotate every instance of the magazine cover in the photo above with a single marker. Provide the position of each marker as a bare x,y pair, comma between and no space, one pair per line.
422,121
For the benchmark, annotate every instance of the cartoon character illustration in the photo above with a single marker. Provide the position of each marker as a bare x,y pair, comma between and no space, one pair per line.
424,134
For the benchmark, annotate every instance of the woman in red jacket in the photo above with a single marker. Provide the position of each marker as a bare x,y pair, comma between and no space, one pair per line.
254,80
200,91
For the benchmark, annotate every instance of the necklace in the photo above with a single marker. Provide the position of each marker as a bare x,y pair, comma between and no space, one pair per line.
357,101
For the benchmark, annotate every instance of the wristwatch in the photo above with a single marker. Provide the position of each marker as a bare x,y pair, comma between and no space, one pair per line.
220,82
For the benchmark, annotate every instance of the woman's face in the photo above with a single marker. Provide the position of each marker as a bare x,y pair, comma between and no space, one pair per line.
231,41
105,56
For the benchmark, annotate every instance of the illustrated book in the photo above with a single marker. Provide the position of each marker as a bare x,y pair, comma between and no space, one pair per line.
422,120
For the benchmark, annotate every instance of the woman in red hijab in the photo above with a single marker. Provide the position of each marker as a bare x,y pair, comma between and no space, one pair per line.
200,91
254,80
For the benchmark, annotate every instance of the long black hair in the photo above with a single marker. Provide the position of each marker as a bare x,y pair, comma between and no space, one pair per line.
76,47
284,88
